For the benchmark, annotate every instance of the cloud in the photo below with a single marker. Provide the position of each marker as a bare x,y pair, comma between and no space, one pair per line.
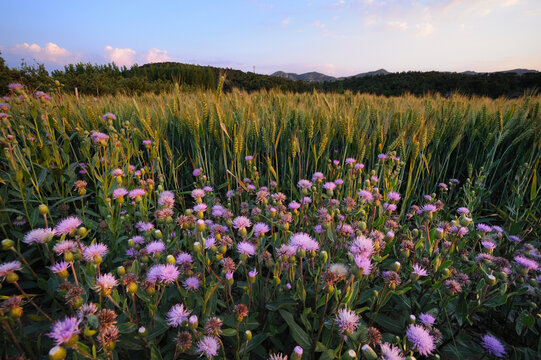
424,30
156,55
50,53
400,25
319,24
286,21
121,57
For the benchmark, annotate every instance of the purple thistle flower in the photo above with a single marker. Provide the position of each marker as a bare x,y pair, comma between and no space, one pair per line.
421,339
65,246
294,205
241,222
419,271
463,211
105,283
366,195
363,246
169,273
167,199
144,226
514,238
484,227
427,319
9,267
138,239
286,251
303,241
318,176
60,267
382,156
93,250
184,258
39,236
191,283
347,321
526,263
364,264
329,186
248,158
155,247
350,161
338,182
198,193
261,229
429,208
63,330
120,192
67,225
487,244
196,172
304,184
108,116
177,315
246,248
497,229
390,352
493,346
137,193
208,346
393,196
358,166
389,207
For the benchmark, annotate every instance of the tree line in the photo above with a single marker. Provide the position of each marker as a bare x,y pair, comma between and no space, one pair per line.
106,79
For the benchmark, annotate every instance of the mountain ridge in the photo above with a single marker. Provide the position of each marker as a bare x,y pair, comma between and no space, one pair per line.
315,76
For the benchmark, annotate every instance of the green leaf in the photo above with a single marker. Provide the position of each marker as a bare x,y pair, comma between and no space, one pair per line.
229,332
256,340
276,305
126,328
299,335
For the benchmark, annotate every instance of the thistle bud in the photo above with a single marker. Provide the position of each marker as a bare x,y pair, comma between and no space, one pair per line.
395,266
248,335
323,256
350,355
200,225
297,353
132,288
57,353
170,259
12,277
7,244
411,319
197,247
44,210
491,280
368,352
121,271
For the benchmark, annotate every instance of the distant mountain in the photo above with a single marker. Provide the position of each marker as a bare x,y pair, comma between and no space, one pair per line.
309,76
370,73
319,77
514,71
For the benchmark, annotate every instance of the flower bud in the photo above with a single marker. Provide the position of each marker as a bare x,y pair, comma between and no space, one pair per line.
57,353
248,335
170,259
368,352
297,353
82,231
411,319
7,244
44,210
71,341
132,288
491,280
197,248
121,271
323,256
77,302
395,266
90,332
200,225
12,277
193,321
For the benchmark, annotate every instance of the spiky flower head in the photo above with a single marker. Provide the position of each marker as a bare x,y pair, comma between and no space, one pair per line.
177,315
39,236
421,339
493,346
105,283
67,225
208,346
348,321
63,330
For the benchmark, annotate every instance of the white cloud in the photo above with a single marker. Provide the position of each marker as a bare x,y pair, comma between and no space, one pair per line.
509,3
400,25
50,53
156,55
424,30
121,57
286,21
319,24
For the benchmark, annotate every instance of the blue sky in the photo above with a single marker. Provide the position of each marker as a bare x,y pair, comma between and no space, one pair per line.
339,38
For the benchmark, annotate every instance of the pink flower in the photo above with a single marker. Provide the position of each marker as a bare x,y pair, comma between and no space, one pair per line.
177,315
67,225
120,192
167,199
241,222
63,330
347,321
246,248
137,193
303,241
39,236
94,250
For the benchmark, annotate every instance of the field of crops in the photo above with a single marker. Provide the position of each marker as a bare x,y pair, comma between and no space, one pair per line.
269,225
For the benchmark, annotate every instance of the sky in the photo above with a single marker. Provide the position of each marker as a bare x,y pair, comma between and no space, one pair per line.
338,38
